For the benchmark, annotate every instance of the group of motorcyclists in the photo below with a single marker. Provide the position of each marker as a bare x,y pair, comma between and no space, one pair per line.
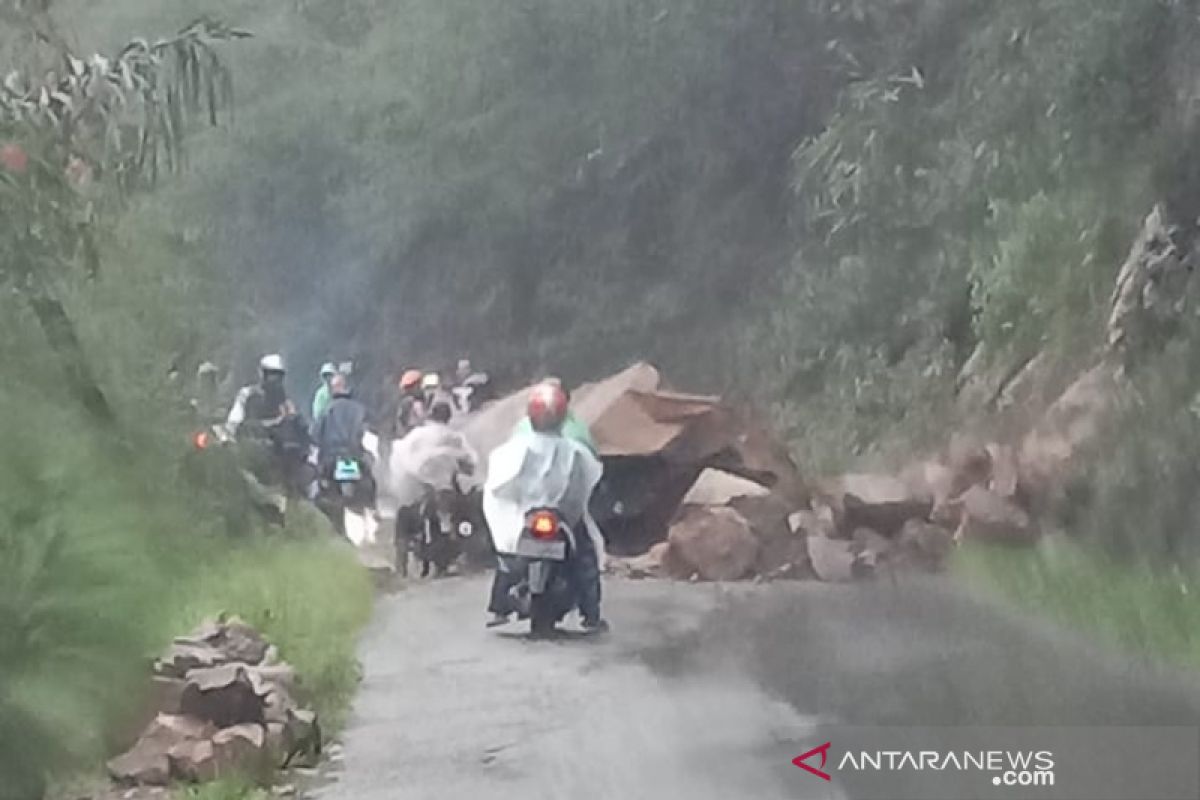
340,426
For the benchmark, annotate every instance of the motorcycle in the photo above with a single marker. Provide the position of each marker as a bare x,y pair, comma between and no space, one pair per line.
535,502
539,573
446,528
347,497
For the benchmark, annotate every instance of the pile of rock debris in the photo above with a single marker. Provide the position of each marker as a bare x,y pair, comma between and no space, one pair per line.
729,527
223,705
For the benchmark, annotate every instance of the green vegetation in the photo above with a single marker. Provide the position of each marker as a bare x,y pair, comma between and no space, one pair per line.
1148,612
111,542
224,790
309,597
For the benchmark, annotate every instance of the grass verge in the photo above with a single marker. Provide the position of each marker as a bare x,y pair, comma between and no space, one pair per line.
1146,611
309,597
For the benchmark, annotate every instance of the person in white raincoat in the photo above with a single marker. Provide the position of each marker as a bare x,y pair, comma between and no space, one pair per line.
544,469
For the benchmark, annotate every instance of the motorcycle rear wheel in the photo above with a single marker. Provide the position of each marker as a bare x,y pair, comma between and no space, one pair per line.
542,618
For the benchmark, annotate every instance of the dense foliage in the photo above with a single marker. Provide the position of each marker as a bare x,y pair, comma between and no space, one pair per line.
108,546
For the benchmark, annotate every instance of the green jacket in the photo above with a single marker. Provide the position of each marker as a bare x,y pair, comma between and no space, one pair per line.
321,401
572,428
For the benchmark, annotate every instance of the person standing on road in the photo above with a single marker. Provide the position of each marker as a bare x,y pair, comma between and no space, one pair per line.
338,432
323,394
412,409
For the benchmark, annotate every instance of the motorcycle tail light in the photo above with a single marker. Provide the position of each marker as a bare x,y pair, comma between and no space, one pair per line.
544,525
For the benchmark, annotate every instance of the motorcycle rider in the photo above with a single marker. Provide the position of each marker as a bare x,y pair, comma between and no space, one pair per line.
262,414
433,456
264,403
338,432
470,387
434,392
412,408
323,395
572,427
547,411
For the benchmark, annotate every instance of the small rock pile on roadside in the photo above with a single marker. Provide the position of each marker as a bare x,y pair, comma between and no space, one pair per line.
223,705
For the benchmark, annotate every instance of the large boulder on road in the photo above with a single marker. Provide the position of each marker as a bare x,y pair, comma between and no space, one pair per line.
651,564
924,546
989,517
716,487
832,560
712,543
879,502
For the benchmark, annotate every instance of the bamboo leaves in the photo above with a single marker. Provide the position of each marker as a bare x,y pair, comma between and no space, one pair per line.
151,90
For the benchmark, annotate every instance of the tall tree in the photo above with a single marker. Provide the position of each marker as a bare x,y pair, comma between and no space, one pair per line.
74,141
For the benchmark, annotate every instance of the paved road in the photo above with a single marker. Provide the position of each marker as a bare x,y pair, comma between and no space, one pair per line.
703,691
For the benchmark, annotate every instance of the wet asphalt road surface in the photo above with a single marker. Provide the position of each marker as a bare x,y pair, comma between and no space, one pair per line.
706,691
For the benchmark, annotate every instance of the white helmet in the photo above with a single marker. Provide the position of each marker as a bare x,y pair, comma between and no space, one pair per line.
272,363
431,380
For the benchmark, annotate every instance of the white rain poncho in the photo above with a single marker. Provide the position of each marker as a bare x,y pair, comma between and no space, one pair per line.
539,471
431,455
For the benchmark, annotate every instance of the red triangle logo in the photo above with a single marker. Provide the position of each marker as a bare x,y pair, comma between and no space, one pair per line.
820,773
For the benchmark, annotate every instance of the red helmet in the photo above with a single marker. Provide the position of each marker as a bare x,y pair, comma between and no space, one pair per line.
547,407
411,379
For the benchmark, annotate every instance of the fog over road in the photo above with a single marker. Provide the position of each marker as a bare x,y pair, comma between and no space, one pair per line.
705,691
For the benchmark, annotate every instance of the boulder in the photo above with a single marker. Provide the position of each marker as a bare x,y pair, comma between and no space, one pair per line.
931,479
237,641
143,765
301,738
277,703
266,677
716,487
242,750
767,515
648,565
185,655
148,761
880,502
819,522
276,742
756,454
783,556
224,695
969,462
924,545
868,541
832,560
713,543
987,516
194,760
